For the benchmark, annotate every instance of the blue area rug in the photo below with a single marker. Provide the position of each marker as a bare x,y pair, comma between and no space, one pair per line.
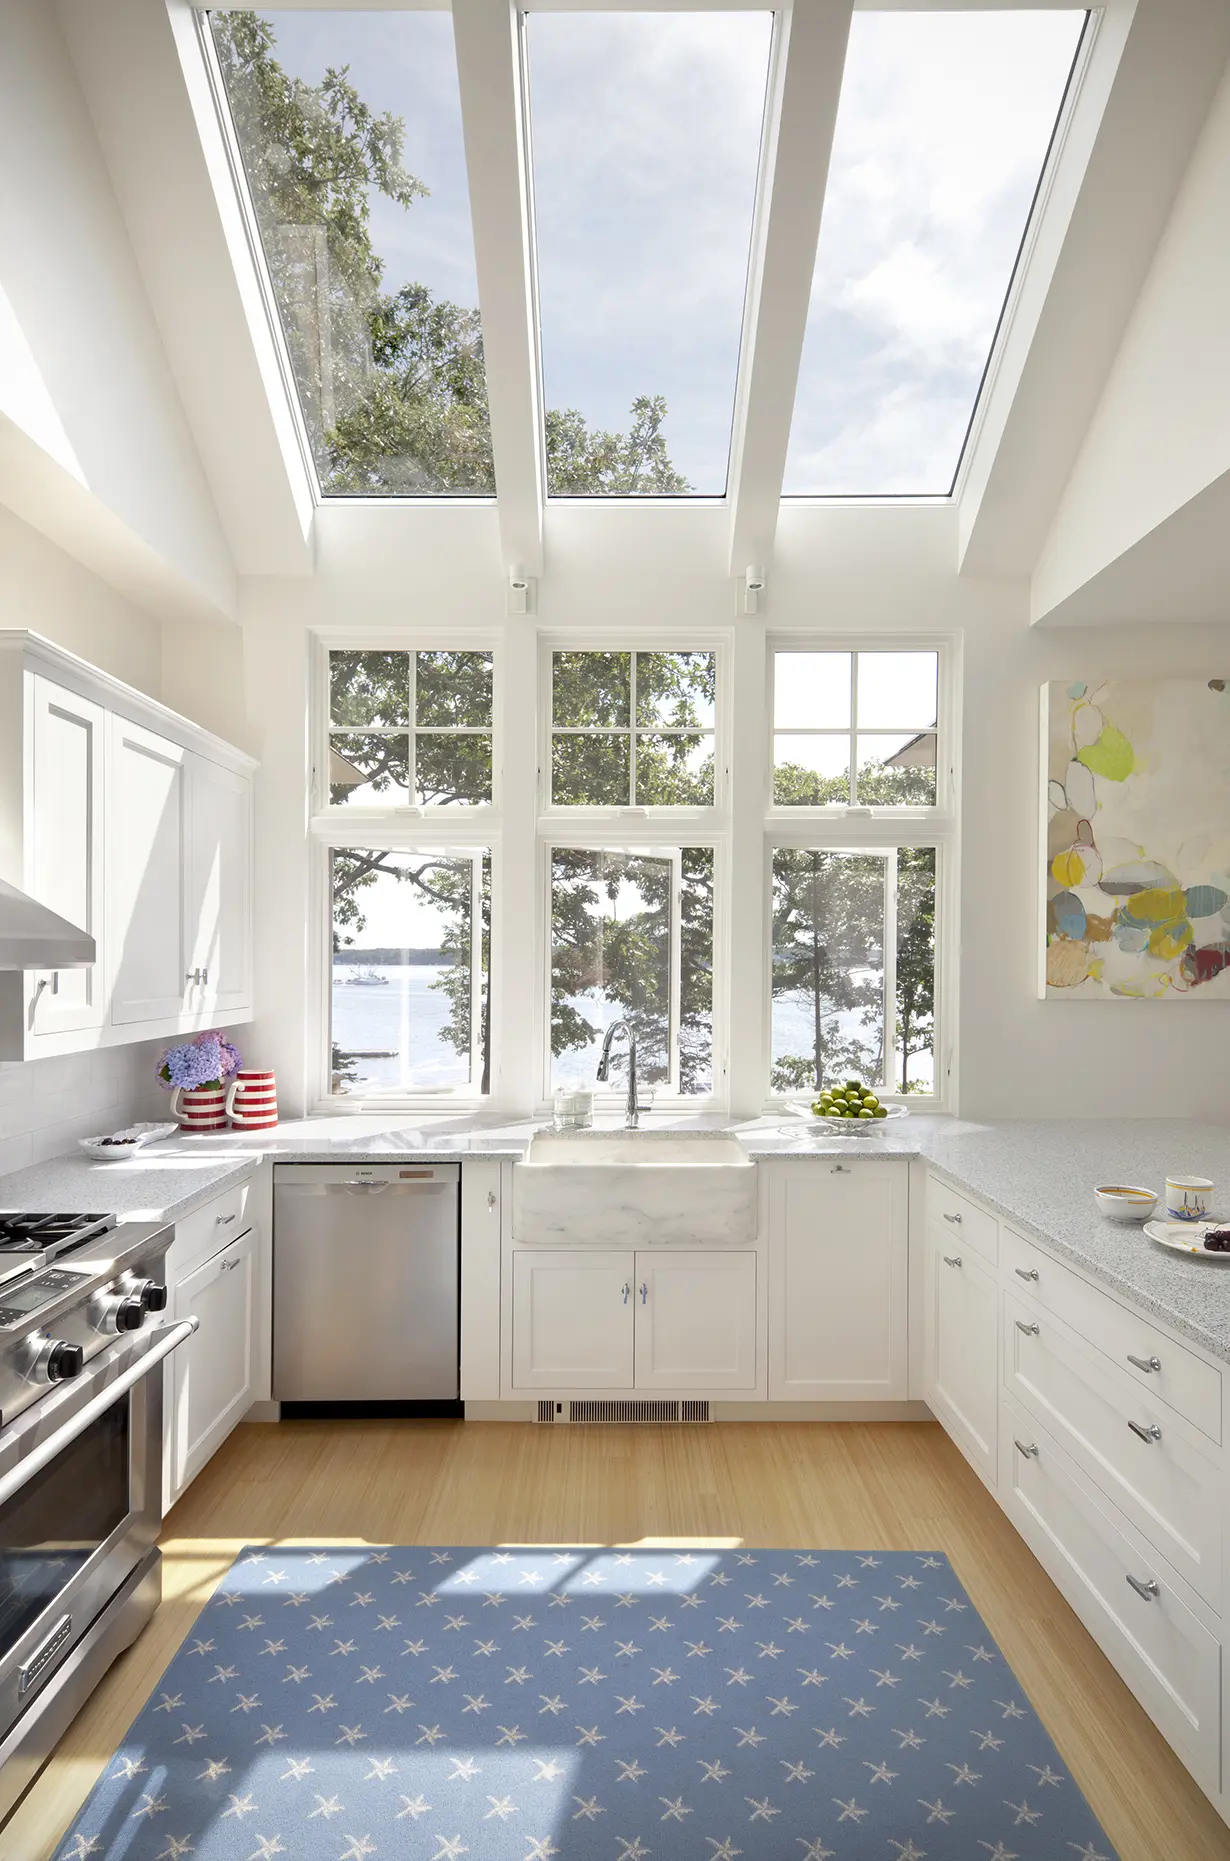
336,1705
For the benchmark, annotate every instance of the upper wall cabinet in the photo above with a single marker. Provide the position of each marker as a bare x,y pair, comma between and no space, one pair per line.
136,825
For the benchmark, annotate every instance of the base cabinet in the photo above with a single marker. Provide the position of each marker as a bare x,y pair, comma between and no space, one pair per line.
963,1347
618,1319
212,1375
838,1282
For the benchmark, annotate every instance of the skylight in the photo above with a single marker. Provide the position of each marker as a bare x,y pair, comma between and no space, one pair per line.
349,125
645,144
942,134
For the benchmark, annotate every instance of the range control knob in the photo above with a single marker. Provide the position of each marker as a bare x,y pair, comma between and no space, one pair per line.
152,1296
64,1361
129,1315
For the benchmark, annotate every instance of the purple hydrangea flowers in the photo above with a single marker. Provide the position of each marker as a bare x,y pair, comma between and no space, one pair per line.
207,1059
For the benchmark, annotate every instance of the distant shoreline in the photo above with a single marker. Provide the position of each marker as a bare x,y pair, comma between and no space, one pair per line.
393,959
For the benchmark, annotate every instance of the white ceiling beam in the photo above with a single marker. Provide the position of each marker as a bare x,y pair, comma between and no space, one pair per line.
1140,103
805,88
489,72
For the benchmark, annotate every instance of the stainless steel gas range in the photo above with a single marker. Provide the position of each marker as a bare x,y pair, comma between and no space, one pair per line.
80,1464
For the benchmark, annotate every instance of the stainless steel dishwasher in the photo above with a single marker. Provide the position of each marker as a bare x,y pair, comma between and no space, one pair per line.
366,1272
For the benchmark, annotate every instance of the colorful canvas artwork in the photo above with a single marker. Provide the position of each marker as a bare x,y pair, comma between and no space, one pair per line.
1136,832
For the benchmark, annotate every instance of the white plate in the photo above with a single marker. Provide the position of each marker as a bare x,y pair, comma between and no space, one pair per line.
141,1135
845,1127
1186,1237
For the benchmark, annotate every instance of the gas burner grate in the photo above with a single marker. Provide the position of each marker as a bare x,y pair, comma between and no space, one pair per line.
41,1231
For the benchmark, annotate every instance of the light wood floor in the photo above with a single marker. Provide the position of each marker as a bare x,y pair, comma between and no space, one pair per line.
846,1485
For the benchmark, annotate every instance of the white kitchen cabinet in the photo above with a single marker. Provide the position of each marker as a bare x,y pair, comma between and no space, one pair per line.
963,1347
146,805
838,1281
572,1319
217,888
695,1322
134,824
65,866
671,1319
212,1375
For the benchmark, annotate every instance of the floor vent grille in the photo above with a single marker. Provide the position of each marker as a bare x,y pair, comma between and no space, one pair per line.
627,1411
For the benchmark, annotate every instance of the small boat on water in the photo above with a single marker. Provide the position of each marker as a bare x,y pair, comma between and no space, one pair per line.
364,979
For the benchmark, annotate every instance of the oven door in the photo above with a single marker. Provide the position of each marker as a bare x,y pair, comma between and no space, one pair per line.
80,1481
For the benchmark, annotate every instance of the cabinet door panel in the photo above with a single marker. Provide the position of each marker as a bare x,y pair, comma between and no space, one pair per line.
695,1320
145,884
64,862
839,1282
572,1320
218,880
213,1370
963,1348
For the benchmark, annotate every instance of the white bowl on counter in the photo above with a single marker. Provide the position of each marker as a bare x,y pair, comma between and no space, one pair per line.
1125,1201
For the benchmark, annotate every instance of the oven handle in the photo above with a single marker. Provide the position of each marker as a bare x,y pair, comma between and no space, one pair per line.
169,1338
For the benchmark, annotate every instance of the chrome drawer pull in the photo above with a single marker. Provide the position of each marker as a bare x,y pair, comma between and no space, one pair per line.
223,1221
1031,1331
1026,1272
952,1260
1027,1447
955,1219
840,1169
627,1292
1145,1363
1151,1433
1148,1590
644,1293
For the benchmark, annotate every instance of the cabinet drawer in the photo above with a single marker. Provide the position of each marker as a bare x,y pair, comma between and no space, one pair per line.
1163,1650
1138,1453
207,1229
954,1215
1164,1370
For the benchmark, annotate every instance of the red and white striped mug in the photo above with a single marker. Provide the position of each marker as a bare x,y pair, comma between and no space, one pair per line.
252,1100
199,1108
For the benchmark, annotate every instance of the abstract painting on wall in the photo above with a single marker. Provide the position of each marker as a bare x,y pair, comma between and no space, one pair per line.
1136,833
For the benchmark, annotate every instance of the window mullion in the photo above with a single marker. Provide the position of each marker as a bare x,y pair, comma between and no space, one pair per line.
676,968
632,731
889,1072
412,712
853,730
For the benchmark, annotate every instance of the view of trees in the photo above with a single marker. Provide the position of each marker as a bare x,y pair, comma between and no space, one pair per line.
391,382
393,392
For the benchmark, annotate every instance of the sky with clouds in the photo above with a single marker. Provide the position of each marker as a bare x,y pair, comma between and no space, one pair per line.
645,134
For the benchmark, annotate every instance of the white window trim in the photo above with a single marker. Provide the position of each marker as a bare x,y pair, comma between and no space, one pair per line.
851,829
417,640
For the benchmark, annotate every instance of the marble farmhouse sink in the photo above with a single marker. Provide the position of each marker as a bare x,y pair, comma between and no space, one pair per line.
635,1189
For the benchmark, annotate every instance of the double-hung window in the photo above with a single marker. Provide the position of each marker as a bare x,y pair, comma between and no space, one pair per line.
860,831
630,834
404,792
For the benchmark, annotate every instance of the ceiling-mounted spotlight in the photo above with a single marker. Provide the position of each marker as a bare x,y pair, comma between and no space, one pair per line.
522,592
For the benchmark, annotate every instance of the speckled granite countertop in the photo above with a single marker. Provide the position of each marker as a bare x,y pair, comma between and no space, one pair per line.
1037,1175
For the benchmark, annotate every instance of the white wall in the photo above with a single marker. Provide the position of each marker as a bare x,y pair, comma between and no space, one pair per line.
43,588
1161,431
94,445
840,569
46,1105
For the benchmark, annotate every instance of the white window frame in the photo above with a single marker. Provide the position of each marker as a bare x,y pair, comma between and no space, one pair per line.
860,829
443,830
378,641
639,829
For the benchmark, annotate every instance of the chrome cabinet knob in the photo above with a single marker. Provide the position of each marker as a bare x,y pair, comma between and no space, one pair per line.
1026,1272
955,1220
1150,1365
1026,1447
1148,1589
1030,1330
952,1260
1151,1433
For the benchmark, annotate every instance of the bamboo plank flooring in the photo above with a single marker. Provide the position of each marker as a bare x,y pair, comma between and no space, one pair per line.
864,1486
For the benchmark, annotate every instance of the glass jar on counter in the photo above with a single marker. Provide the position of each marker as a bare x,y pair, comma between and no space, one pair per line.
572,1108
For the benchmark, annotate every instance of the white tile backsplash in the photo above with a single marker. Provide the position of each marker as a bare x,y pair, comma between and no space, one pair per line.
46,1105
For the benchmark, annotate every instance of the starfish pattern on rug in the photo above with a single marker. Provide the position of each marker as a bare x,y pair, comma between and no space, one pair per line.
661,1716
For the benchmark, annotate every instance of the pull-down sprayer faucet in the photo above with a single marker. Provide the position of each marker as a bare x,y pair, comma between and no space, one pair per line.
632,1113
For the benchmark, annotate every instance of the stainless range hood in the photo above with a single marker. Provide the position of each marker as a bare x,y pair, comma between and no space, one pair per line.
32,937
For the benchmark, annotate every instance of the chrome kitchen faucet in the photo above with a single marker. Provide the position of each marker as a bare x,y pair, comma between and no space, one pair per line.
632,1113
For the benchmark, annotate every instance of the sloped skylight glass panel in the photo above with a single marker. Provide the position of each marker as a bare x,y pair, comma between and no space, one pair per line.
942,135
349,126
645,139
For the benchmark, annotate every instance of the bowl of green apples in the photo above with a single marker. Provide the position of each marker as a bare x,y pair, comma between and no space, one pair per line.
848,1110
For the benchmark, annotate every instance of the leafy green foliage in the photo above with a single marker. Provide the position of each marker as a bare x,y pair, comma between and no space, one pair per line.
391,383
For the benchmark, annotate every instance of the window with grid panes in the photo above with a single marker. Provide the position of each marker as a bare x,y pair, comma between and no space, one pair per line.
857,729
632,729
409,729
